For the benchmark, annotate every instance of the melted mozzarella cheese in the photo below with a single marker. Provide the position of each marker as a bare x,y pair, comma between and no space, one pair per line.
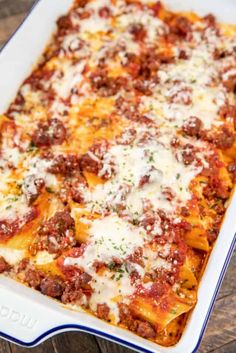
198,74
12,256
153,25
114,237
13,207
110,237
10,155
108,290
203,106
71,78
195,70
93,25
155,262
72,45
155,159
38,167
43,257
98,4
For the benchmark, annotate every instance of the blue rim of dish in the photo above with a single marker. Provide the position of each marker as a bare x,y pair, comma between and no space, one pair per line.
102,334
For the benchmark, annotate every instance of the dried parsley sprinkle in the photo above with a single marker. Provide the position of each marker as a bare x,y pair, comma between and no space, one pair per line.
151,158
32,147
119,277
120,270
49,190
13,199
111,265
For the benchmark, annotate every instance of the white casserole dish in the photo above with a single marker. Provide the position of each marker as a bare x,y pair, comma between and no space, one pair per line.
27,317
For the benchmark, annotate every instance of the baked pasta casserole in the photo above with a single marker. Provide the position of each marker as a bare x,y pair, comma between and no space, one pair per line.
117,163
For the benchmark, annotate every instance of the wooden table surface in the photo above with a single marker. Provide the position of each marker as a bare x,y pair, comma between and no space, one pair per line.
220,336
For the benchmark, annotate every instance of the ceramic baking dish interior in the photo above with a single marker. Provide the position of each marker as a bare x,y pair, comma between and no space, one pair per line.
26,316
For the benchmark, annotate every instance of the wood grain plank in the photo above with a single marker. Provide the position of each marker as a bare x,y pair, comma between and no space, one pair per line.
227,348
44,347
13,7
8,26
4,346
222,326
110,347
229,283
75,342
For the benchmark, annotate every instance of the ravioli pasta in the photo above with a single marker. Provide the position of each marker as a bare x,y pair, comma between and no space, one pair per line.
117,162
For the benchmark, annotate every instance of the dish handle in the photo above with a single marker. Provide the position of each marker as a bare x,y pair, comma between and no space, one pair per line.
26,316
